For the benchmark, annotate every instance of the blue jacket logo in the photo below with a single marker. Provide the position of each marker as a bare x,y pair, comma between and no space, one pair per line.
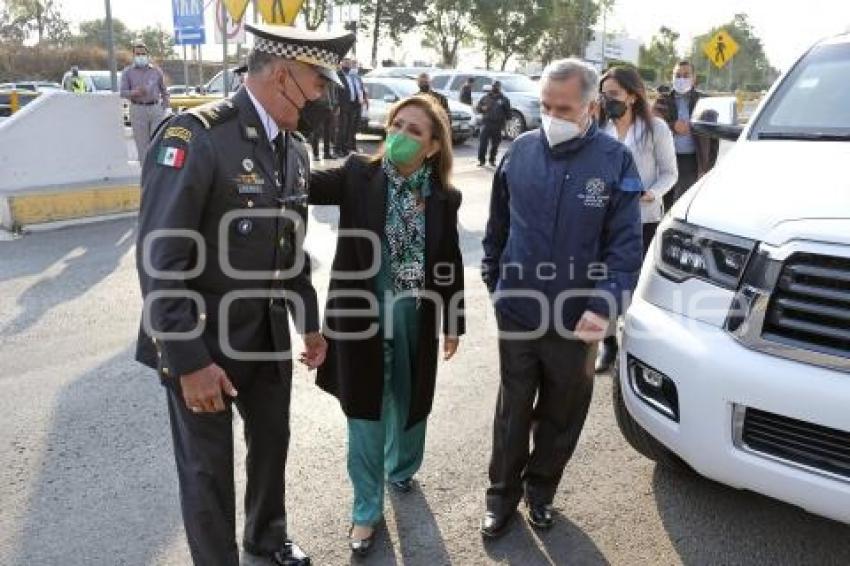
595,193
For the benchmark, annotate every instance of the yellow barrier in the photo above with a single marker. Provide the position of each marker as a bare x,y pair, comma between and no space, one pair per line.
186,101
14,102
37,207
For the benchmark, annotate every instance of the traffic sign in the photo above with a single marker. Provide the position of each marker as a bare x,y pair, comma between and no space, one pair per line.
188,22
235,30
720,49
236,8
281,12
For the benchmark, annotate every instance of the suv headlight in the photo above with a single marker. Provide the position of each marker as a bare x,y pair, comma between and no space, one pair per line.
685,251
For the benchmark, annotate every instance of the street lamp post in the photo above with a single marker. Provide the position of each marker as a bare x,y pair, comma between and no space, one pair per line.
110,44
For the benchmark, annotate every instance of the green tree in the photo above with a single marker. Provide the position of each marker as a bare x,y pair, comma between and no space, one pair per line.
750,66
661,55
448,24
568,29
387,19
10,31
42,17
160,43
93,32
314,13
508,27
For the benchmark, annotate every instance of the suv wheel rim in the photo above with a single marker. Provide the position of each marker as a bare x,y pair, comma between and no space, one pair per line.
513,127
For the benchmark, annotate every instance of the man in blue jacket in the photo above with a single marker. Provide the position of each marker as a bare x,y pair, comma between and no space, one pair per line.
562,250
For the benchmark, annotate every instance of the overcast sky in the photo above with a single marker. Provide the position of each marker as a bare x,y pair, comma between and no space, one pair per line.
786,28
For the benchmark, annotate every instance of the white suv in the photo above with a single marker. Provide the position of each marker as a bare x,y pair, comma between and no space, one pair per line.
736,348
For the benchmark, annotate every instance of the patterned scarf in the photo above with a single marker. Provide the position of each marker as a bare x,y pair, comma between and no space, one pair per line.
405,226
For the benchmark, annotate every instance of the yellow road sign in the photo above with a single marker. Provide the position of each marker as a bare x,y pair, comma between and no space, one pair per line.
720,49
236,8
279,11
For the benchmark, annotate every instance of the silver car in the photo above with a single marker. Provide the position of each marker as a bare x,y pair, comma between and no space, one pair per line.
384,92
523,93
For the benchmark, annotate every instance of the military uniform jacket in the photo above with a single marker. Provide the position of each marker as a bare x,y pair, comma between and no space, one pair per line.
219,250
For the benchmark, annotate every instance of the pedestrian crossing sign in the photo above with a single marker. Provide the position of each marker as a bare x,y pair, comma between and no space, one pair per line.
720,49
236,8
280,12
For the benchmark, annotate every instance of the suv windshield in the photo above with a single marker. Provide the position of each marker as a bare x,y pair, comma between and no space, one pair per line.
518,84
102,82
812,102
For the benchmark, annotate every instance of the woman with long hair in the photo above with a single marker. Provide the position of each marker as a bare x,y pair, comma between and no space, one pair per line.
625,114
397,271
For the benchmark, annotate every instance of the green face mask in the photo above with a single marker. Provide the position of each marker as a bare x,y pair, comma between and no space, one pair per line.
401,149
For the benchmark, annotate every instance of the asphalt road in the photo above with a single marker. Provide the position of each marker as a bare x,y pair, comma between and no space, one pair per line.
87,476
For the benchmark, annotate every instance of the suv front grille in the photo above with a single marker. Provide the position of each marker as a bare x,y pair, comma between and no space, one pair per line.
810,307
810,445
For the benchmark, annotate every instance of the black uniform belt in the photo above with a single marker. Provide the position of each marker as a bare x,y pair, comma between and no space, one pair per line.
146,103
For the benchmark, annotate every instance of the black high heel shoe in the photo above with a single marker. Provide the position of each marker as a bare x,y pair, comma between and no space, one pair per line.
361,547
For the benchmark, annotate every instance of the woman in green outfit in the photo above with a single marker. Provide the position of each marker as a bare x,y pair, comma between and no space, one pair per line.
396,274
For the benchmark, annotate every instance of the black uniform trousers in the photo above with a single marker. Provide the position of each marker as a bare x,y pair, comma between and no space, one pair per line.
349,118
203,449
490,134
545,391
688,175
323,130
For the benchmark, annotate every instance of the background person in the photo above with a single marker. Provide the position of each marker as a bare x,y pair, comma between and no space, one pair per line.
495,109
424,82
74,82
695,155
352,100
564,202
625,115
143,85
466,91
385,382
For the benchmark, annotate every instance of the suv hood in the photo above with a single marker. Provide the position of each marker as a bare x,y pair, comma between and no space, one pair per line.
760,184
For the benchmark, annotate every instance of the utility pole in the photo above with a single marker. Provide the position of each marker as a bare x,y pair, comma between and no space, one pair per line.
110,44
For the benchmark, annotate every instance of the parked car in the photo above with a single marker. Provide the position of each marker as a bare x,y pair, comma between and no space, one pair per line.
523,93
383,92
32,86
180,90
736,347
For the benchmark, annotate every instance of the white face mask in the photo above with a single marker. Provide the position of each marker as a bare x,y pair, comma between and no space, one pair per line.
558,130
683,85
140,60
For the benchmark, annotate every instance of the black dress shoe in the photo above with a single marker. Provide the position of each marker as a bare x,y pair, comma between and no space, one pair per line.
402,486
290,555
540,516
361,547
493,162
607,354
481,164
328,156
494,526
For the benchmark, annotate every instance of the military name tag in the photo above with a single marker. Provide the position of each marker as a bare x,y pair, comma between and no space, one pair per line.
250,184
249,189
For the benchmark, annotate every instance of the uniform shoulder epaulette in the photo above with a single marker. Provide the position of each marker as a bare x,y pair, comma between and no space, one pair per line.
214,113
298,136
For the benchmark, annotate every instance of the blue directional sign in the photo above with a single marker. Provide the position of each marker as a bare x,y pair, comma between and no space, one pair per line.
188,22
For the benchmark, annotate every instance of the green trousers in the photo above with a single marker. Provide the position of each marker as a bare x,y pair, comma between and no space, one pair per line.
379,450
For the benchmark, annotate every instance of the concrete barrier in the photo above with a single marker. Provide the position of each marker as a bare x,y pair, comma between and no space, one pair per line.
63,157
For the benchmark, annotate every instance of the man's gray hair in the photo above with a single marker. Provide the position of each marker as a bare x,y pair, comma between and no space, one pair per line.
565,69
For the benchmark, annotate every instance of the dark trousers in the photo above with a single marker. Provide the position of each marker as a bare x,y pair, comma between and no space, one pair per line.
323,130
688,175
203,449
349,117
649,229
490,134
545,391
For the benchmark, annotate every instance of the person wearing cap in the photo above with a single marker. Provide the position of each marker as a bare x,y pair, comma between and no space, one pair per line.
74,82
143,85
222,269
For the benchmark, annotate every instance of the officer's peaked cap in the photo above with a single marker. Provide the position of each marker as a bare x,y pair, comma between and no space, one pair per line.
321,50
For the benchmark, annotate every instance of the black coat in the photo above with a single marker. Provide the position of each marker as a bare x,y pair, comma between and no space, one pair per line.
354,369
707,148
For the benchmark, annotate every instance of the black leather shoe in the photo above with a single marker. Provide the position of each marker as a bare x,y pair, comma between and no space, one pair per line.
290,555
607,354
361,547
402,486
493,162
494,526
540,516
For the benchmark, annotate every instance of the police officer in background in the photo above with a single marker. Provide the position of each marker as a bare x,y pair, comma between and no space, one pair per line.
221,267
495,110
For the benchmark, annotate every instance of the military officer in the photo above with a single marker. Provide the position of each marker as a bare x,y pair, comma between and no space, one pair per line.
221,267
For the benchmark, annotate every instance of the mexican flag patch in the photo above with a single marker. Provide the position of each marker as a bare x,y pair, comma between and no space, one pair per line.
171,157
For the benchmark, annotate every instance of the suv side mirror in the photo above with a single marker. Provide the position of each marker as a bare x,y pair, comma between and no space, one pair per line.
717,117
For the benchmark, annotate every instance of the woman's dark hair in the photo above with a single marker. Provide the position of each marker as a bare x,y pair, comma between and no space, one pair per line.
630,80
